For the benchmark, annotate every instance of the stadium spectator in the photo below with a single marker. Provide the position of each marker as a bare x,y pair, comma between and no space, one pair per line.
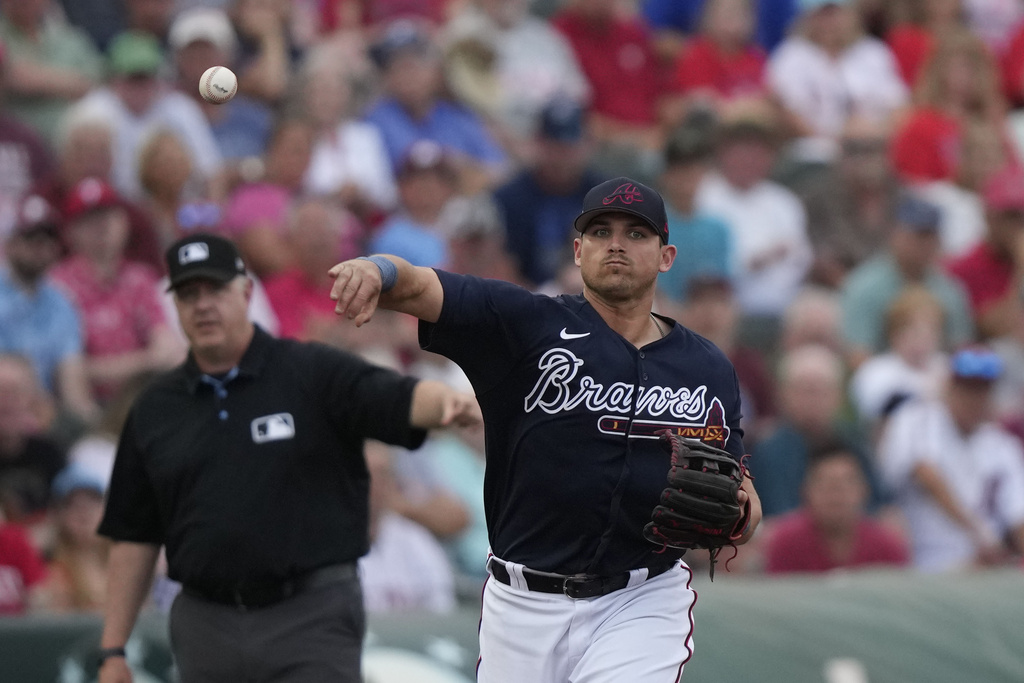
22,571
704,242
407,568
913,38
319,232
349,160
850,203
993,272
138,99
810,396
77,580
544,197
912,257
956,475
813,317
267,54
256,212
202,37
125,331
912,365
710,309
29,460
828,71
85,150
25,160
477,240
427,181
959,84
48,64
167,180
983,153
722,62
412,107
768,222
508,64
831,529
627,80
36,318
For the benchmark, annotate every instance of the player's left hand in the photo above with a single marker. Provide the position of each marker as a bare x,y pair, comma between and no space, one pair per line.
356,289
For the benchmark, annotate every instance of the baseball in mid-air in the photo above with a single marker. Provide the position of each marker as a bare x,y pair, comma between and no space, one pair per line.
218,84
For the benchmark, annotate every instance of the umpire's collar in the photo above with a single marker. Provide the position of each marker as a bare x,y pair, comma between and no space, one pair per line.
251,365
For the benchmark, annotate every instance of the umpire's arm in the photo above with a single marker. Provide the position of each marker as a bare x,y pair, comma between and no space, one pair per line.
358,285
130,568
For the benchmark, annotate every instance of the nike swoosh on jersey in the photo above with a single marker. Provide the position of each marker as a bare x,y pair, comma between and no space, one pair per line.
565,334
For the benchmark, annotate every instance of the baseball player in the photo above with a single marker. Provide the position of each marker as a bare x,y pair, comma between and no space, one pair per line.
575,391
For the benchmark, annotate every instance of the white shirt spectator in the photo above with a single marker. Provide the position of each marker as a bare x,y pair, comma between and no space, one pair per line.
171,110
962,224
882,377
984,471
769,226
406,569
534,63
353,153
864,81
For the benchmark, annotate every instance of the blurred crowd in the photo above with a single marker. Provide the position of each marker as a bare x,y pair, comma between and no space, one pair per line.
844,182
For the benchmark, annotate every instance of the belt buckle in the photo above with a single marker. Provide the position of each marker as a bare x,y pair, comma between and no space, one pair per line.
571,583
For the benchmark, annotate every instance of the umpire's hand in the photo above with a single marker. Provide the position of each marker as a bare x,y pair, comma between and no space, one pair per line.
356,289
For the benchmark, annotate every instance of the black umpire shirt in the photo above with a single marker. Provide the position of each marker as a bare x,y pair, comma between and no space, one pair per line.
257,475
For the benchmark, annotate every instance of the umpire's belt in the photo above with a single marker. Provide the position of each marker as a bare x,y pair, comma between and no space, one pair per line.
573,586
256,594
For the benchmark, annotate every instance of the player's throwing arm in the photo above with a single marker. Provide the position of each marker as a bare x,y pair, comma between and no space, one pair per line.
363,284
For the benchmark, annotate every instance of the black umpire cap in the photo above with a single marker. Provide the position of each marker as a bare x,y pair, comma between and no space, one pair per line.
627,196
203,255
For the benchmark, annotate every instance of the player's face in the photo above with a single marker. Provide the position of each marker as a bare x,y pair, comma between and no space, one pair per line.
620,256
214,315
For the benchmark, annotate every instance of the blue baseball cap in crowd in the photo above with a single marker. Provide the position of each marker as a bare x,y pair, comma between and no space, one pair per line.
561,120
918,215
76,477
976,363
811,5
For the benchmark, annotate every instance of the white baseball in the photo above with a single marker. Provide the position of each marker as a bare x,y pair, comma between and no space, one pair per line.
218,84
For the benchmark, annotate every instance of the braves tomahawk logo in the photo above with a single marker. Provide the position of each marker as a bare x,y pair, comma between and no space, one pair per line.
622,408
626,193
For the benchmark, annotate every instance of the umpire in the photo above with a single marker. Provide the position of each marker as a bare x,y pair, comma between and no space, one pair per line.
246,464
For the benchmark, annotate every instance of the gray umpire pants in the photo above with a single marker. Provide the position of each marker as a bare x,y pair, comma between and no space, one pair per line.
313,637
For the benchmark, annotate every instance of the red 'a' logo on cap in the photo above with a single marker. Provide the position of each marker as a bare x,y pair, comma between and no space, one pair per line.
627,193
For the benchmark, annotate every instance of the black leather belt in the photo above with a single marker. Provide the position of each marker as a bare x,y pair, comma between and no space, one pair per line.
576,586
254,595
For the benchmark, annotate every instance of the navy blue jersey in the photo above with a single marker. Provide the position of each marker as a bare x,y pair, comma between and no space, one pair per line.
570,414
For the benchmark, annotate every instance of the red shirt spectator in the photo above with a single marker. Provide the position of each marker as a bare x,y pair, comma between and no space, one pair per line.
703,65
299,304
927,146
985,274
1012,68
911,45
796,545
21,568
618,58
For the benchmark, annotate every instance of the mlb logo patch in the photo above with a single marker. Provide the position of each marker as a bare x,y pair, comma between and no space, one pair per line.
195,251
276,427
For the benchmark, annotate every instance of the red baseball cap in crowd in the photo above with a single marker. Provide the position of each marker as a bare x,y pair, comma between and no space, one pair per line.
90,194
626,196
1004,191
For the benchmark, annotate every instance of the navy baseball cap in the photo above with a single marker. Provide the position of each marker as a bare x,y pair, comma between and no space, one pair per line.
628,196
203,255
562,120
977,363
918,215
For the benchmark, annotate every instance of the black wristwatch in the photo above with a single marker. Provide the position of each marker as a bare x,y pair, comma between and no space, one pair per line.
107,652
